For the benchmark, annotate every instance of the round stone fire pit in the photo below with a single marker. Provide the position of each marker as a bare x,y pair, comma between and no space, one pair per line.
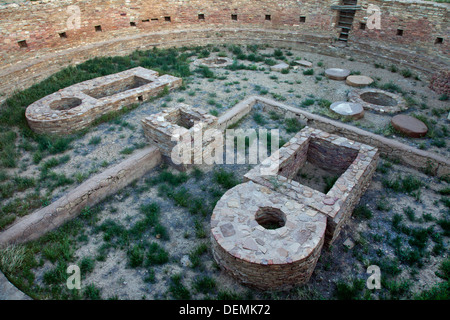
378,100
264,239
213,62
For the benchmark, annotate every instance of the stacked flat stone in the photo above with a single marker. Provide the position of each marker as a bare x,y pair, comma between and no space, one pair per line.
337,73
440,82
213,62
304,63
280,67
359,81
410,126
74,108
181,124
348,109
266,258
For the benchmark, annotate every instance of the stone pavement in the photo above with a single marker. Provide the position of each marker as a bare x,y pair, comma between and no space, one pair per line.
10,292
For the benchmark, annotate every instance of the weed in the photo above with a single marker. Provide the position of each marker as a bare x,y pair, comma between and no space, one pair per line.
349,291
363,212
410,213
204,284
259,119
95,140
292,125
177,289
91,292
156,255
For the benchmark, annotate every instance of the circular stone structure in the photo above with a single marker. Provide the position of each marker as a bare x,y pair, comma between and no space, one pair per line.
378,100
264,239
337,73
410,126
348,109
359,81
213,62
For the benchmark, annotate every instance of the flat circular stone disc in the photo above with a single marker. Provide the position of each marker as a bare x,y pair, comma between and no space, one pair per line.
337,74
348,109
358,81
409,126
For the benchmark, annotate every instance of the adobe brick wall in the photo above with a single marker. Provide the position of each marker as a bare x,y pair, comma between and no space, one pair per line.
39,23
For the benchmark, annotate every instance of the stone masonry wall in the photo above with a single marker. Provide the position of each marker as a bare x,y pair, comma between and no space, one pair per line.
52,42
95,98
89,193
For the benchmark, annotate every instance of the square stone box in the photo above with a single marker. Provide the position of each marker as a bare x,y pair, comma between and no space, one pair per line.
179,123
354,162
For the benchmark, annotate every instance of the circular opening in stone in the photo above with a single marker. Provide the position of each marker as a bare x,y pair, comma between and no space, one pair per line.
65,104
270,218
379,99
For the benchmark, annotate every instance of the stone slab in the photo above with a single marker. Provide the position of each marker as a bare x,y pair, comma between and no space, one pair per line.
337,73
304,63
410,126
348,109
9,292
280,67
359,81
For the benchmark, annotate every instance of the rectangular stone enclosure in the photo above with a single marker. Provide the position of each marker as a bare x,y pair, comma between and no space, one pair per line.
354,162
76,107
180,124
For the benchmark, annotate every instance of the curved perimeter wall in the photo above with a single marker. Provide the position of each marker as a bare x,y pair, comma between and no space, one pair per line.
38,38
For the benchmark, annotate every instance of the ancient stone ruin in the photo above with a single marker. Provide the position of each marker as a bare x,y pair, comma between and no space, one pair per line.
268,232
176,125
76,107
304,67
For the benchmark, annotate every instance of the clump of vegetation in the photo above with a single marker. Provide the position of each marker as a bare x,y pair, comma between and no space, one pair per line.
349,290
408,184
363,212
292,125
225,179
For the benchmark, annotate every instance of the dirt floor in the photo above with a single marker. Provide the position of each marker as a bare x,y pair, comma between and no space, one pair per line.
408,244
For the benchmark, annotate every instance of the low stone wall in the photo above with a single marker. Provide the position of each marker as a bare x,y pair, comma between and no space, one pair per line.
88,194
178,127
407,155
76,107
9,292
440,82
386,102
